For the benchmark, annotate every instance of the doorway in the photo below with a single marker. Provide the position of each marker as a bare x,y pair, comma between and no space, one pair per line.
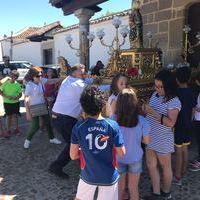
194,22
47,56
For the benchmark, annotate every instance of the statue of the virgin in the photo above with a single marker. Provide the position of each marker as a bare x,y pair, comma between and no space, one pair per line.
136,26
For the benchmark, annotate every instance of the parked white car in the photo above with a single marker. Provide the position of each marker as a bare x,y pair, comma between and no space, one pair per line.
22,67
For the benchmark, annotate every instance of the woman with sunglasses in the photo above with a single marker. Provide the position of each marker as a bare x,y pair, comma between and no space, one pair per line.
34,95
161,112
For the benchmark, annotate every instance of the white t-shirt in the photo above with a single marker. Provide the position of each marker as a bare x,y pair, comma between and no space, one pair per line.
110,100
35,92
68,98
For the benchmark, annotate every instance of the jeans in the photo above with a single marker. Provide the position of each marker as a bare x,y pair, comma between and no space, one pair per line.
35,127
63,124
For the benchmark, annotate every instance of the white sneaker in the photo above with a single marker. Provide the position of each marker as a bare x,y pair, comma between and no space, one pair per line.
27,144
55,141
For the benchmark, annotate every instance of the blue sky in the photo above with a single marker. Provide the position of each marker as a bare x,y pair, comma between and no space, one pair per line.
18,14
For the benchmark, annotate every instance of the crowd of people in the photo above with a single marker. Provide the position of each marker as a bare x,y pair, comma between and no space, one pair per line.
111,150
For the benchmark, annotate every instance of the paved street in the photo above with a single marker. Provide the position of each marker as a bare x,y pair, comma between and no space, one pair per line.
24,173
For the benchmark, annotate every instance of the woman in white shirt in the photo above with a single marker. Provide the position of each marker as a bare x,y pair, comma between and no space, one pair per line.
34,95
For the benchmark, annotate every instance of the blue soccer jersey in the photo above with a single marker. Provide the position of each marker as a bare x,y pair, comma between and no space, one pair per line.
97,139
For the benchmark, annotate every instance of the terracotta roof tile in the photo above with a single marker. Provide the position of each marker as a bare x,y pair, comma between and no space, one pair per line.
45,29
34,31
26,33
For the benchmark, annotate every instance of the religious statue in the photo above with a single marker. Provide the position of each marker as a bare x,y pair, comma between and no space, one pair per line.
136,26
64,66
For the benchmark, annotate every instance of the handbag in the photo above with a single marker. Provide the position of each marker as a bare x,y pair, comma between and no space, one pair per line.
39,110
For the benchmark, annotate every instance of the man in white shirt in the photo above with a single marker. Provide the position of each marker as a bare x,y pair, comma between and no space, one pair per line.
65,113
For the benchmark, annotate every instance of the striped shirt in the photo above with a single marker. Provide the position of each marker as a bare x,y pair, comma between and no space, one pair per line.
162,137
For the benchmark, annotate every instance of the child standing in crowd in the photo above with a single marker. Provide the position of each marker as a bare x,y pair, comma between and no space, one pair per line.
119,82
1,118
11,91
135,129
50,90
183,126
95,141
34,95
195,164
162,112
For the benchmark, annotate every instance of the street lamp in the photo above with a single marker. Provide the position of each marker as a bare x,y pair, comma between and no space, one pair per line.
115,46
90,37
186,30
149,36
188,47
191,47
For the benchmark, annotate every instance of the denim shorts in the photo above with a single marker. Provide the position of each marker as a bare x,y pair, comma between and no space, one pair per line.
133,168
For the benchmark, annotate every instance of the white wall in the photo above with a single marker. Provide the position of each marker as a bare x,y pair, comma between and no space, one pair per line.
29,51
97,51
5,45
63,49
32,51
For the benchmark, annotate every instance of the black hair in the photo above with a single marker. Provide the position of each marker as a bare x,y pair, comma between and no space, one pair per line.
183,74
169,83
92,100
55,73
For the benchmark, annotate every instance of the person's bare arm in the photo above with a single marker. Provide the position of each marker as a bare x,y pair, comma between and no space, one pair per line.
113,106
74,151
6,96
27,106
4,80
120,151
53,81
146,139
168,120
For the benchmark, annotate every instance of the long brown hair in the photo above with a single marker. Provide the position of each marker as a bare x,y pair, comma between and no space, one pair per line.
113,87
127,108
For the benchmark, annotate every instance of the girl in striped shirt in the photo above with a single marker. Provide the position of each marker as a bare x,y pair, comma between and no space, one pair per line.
162,112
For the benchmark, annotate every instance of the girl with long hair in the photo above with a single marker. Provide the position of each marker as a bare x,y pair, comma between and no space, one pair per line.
135,129
161,112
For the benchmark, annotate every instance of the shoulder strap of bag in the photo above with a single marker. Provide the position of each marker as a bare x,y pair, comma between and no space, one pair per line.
46,102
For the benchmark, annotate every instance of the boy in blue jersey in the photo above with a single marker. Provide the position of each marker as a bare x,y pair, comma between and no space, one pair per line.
96,141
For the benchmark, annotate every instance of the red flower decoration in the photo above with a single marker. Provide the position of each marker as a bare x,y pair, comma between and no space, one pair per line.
133,71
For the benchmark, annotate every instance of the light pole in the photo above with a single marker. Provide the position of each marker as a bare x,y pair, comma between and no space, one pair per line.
115,46
188,47
186,30
90,37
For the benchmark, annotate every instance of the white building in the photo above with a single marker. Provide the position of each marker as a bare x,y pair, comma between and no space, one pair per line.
35,47
97,51
33,44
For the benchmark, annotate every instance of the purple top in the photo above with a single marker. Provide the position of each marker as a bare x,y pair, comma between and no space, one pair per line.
132,141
